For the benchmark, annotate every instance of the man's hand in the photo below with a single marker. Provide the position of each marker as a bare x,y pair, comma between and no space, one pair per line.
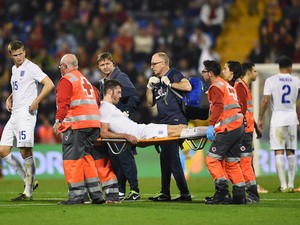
258,133
34,106
152,81
165,80
210,133
260,124
131,139
8,104
257,130
126,113
55,127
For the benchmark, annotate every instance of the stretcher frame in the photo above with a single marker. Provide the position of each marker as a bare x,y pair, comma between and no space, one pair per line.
194,142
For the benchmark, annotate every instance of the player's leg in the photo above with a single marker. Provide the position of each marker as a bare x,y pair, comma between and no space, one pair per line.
175,130
291,158
13,161
24,133
277,144
29,170
280,167
8,140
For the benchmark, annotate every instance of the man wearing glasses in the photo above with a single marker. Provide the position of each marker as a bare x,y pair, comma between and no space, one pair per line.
169,112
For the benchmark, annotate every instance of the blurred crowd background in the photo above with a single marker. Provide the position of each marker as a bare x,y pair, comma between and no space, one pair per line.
132,30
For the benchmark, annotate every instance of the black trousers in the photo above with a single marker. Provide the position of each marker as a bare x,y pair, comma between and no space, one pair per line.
170,164
125,168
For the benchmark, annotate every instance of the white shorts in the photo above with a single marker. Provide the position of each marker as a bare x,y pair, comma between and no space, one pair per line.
19,130
146,131
284,137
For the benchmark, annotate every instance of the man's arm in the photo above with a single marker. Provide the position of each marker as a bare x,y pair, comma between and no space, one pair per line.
106,133
8,103
242,96
217,106
63,100
48,86
263,108
257,130
183,85
149,97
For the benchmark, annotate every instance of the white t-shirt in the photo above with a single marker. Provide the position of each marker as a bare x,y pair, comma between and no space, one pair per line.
24,83
283,89
119,123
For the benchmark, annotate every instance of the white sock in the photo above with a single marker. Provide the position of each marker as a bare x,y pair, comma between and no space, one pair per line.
291,170
16,165
280,166
30,173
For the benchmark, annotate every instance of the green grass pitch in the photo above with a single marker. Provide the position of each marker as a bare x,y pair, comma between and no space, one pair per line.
274,208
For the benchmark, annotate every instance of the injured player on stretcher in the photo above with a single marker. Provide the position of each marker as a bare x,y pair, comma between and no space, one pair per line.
116,124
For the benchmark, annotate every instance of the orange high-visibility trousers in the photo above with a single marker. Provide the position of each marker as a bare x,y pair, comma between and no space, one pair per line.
247,169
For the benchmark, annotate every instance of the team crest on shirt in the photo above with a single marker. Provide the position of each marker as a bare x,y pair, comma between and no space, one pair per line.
66,137
214,149
243,148
22,73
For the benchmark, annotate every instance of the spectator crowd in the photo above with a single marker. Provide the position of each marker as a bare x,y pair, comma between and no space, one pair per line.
132,31
279,33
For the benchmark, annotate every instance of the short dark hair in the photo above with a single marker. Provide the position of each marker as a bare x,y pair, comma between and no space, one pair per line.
285,62
111,85
213,66
15,45
105,55
236,68
247,66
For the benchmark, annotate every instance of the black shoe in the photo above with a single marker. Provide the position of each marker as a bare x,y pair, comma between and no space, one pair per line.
121,196
218,198
160,197
238,200
132,196
251,200
86,198
183,198
22,197
98,201
68,202
228,197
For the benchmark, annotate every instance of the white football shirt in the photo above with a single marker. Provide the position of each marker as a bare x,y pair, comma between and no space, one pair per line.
118,123
283,89
24,83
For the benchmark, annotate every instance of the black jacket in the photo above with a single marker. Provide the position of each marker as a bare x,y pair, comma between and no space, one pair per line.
130,99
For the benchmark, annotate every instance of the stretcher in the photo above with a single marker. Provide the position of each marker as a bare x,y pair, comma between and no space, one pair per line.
118,145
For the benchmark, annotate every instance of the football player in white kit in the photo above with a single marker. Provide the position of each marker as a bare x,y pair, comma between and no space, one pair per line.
23,104
282,90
